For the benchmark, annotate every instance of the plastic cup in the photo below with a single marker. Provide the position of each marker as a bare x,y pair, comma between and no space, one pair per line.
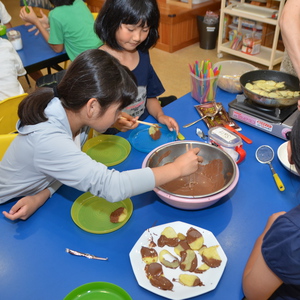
204,89
14,37
2,30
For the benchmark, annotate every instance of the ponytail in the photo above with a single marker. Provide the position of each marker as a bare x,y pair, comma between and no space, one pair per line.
31,109
93,74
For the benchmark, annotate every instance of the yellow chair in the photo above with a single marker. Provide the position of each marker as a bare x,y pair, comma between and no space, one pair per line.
5,140
9,113
94,5
95,15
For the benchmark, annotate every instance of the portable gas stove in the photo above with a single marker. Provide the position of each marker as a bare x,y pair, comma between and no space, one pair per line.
276,121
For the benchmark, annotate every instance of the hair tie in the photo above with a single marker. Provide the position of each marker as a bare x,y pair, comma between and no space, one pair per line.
55,91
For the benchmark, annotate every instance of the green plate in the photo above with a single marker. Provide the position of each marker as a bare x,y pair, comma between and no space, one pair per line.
98,291
92,213
108,149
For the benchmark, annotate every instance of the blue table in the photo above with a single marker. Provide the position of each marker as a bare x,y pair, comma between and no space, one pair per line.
34,264
36,53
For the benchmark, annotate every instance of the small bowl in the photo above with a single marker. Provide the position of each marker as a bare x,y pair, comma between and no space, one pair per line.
231,71
168,152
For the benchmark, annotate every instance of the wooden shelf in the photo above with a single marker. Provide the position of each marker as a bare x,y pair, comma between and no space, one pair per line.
259,14
267,56
262,58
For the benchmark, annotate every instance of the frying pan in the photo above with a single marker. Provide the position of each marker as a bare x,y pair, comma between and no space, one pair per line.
291,82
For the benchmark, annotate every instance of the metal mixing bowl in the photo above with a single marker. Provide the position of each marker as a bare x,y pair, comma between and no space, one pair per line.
168,153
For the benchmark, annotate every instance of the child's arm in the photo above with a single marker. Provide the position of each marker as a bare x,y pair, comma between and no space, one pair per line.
26,206
290,29
32,18
156,111
8,25
259,282
183,165
43,20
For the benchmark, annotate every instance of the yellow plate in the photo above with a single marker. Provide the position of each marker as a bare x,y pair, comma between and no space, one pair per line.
92,213
108,149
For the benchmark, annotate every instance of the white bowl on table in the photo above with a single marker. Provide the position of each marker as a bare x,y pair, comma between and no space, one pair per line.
283,158
231,71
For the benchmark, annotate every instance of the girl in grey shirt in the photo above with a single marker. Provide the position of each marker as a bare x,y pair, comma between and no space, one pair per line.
53,126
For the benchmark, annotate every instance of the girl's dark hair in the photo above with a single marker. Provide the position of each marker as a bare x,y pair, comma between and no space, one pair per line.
117,12
93,74
295,143
56,3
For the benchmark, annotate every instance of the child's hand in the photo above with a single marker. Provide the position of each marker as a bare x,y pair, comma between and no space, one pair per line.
125,122
169,122
26,206
43,20
188,162
30,17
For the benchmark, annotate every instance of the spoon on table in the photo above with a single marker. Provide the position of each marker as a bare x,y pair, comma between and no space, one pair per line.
201,134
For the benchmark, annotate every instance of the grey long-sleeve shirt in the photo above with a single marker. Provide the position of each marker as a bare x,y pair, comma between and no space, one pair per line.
45,156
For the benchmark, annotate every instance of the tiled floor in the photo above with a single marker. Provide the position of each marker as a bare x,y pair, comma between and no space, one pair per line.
172,68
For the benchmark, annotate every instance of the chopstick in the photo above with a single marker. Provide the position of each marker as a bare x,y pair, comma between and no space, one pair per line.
145,123
191,176
148,123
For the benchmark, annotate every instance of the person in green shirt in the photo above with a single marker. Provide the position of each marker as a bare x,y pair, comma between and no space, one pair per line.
71,27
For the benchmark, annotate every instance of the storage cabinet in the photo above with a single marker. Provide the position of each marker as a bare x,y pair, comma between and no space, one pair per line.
268,56
178,25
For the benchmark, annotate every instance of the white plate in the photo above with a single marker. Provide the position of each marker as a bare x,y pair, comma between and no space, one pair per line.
283,157
210,278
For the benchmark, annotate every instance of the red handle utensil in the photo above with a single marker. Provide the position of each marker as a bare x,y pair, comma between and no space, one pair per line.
244,138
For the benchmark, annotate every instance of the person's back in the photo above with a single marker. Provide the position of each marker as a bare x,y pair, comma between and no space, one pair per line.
5,17
11,68
73,26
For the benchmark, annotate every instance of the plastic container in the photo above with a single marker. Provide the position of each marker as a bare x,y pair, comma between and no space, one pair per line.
227,141
245,30
231,71
204,90
14,37
2,30
251,43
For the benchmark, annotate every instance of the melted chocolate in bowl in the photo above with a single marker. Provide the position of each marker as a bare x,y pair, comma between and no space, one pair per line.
206,180
214,174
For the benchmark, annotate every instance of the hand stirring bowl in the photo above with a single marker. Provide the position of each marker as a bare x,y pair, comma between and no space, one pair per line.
265,154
